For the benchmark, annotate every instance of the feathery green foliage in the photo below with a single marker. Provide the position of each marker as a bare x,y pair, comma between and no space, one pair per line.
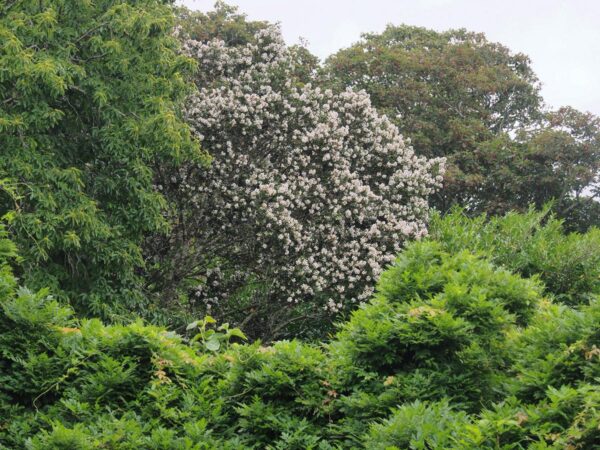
531,244
89,111
435,361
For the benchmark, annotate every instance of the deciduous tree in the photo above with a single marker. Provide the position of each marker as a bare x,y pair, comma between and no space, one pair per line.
448,92
89,96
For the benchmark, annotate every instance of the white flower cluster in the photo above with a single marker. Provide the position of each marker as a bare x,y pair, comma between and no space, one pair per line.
313,189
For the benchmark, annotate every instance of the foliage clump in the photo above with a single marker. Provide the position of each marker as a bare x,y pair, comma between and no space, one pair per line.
447,355
437,329
531,244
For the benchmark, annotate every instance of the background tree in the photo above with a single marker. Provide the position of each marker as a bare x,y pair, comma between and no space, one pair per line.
558,161
565,162
89,96
448,92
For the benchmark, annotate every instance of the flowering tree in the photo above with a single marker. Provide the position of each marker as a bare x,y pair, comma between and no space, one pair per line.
310,193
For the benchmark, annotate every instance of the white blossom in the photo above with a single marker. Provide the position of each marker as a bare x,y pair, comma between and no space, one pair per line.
311,189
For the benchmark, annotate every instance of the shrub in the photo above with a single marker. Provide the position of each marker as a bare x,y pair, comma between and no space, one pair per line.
436,329
436,360
561,347
530,244
425,270
418,426
76,384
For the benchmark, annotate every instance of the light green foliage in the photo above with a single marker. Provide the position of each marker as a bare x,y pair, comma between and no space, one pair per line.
436,329
426,271
8,251
531,244
89,96
418,426
212,339
414,368
560,348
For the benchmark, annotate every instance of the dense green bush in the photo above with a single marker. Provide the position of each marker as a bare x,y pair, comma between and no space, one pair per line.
561,347
437,329
452,353
418,425
533,243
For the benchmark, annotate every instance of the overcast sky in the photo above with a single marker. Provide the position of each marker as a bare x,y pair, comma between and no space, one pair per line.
562,37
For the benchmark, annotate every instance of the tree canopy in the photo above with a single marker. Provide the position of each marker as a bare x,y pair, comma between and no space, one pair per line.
89,95
309,194
456,94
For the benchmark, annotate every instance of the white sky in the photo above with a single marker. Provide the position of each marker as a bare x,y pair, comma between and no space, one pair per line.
562,37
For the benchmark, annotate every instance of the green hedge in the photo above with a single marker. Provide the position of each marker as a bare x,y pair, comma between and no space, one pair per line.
452,352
